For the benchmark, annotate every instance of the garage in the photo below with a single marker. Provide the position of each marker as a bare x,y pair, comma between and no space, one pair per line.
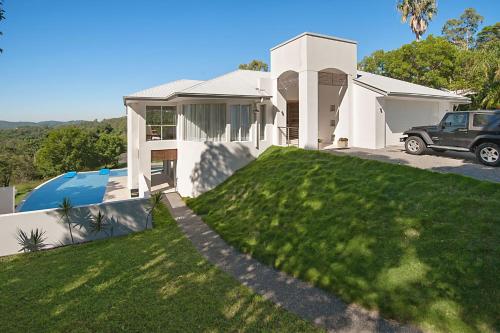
401,114
384,108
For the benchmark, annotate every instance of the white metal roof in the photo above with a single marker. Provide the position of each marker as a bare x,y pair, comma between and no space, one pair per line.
237,83
240,83
165,90
392,87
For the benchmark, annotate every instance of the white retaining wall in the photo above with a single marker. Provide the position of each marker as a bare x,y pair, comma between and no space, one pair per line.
7,200
125,217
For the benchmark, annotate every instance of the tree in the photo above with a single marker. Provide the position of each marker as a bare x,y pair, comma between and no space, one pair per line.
2,17
430,62
489,34
374,63
6,170
65,149
462,31
418,13
64,211
255,65
109,146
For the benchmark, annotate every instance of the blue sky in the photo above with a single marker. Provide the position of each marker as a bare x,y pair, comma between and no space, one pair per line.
75,59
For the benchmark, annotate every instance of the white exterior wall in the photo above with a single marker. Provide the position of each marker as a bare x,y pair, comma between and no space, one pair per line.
200,165
308,55
367,119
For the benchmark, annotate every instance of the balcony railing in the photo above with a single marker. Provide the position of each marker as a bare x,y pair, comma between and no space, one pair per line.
289,136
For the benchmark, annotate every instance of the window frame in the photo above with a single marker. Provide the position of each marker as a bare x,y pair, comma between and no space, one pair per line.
162,108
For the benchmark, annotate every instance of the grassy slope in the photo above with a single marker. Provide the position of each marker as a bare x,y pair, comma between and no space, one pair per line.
419,246
150,281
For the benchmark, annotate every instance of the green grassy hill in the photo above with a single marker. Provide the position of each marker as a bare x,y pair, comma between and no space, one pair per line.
152,281
421,247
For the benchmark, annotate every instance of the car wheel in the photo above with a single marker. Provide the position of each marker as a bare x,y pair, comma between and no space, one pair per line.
414,145
488,153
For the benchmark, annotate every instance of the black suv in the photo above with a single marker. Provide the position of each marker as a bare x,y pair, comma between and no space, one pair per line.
474,131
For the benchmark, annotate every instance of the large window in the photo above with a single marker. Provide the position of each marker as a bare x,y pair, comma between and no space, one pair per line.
240,122
161,122
204,122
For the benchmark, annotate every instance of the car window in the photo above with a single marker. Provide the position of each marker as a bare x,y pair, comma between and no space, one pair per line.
456,120
482,120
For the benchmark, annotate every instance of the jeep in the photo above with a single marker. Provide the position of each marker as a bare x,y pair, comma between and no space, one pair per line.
472,131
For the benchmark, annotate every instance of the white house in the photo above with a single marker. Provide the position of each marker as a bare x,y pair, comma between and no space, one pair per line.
192,134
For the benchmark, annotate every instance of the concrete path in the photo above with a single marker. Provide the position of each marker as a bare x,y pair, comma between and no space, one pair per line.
301,298
445,162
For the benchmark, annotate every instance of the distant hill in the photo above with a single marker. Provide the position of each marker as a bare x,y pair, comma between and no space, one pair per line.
49,123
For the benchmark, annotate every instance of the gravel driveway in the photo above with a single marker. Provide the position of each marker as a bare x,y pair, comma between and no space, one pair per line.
447,162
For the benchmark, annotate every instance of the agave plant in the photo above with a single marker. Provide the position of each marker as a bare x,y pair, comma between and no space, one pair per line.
99,223
32,243
65,208
154,202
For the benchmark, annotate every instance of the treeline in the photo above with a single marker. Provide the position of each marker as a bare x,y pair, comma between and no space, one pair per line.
462,60
30,153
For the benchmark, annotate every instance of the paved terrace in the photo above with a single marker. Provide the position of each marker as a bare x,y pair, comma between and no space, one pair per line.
116,189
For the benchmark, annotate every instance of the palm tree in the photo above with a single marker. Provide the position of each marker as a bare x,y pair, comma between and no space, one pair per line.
419,13
154,202
65,208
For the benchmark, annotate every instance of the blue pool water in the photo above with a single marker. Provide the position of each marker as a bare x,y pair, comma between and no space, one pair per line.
85,188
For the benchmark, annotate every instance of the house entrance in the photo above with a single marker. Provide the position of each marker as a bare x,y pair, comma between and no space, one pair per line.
163,169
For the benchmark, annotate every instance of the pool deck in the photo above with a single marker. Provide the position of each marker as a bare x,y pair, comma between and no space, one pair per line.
116,189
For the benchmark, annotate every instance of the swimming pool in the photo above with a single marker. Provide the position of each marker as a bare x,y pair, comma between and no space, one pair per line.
85,188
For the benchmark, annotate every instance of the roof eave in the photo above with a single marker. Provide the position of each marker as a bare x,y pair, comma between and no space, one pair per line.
197,95
208,95
370,87
462,100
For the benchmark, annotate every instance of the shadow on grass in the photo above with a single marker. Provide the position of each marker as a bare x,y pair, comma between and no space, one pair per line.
150,281
421,247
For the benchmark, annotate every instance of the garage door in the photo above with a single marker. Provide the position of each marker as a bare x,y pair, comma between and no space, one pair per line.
400,115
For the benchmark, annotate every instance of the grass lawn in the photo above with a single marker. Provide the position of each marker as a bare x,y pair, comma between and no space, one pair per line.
23,189
421,247
146,282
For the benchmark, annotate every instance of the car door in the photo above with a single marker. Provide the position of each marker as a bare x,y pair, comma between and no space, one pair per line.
454,130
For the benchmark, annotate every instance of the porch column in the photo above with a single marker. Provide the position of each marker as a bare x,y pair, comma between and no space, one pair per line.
132,149
308,109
